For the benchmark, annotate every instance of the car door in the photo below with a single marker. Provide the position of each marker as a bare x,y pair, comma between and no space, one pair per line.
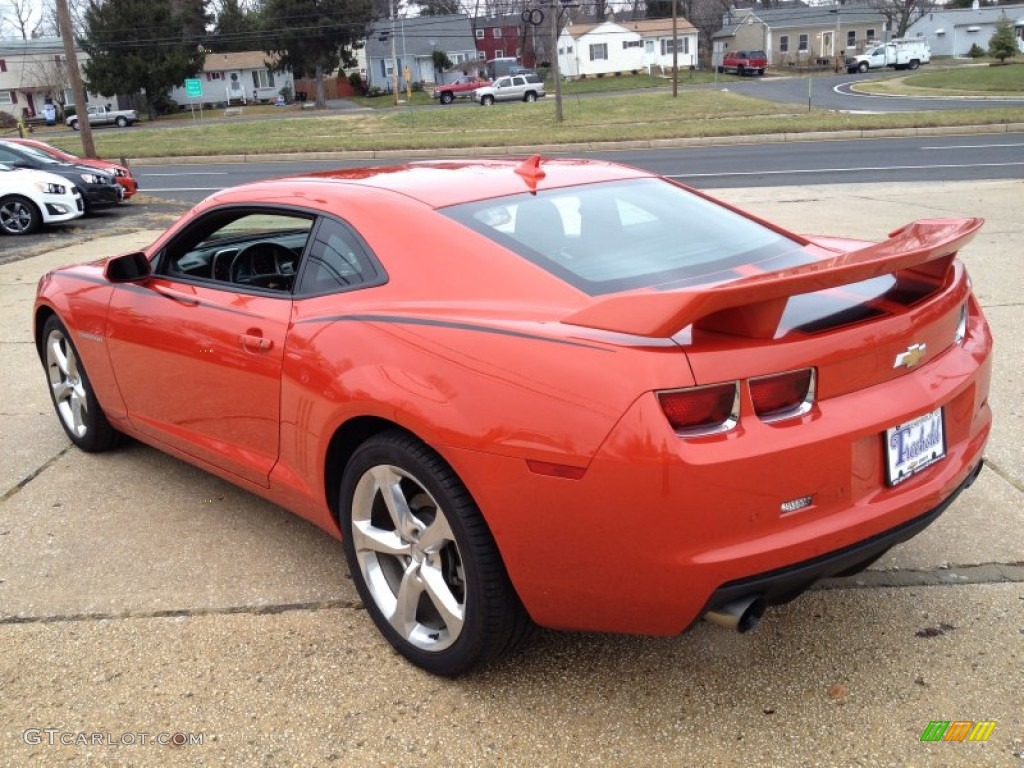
197,349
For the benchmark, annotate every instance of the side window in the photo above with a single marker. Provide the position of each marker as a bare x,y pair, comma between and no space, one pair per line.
240,248
337,261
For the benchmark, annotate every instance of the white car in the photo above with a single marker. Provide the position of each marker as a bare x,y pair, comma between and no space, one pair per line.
30,198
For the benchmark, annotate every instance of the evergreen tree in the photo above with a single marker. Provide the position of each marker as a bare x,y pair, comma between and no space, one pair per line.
237,29
314,37
1003,43
138,45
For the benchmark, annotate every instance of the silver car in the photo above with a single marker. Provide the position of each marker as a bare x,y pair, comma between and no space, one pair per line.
523,87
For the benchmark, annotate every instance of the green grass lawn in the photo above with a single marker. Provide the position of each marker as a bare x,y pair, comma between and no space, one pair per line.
1008,78
643,116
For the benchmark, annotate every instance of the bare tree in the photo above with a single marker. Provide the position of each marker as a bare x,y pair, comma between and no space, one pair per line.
900,14
19,15
51,78
48,25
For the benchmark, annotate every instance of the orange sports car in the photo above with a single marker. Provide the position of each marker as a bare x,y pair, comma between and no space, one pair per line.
122,175
568,393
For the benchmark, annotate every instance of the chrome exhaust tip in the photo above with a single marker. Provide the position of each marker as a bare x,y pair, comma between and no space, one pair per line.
741,615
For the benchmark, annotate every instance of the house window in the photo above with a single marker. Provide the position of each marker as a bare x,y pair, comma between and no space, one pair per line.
497,34
784,43
482,55
214,76
261,78
480,34
3,65
598,51
648,46
386,67
499,54
803,44
568,49
871,34
683,42
631,44
6,97
851,39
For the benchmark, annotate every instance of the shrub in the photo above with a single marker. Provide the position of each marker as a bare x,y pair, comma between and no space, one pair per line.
356,81
1003,43
976,51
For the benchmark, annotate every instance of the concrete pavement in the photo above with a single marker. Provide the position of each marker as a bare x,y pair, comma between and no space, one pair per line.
140,596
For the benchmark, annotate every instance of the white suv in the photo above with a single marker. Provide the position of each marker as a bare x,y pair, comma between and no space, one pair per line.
29,199
525,87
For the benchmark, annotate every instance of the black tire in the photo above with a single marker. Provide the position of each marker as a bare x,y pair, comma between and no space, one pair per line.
486,101
914,64
71,393
447,98
863,67
74,125
121,122
741,71
530,96
459,609
19,215
760,73
721,70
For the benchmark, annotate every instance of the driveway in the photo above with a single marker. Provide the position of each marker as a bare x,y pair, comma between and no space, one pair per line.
141,598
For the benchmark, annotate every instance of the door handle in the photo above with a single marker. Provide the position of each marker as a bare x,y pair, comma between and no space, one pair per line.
178,297
252,343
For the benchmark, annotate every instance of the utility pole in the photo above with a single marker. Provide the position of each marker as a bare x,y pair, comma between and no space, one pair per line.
675,49
77,87
394,58
554,60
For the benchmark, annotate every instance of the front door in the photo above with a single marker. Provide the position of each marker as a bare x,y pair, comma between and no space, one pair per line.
198,348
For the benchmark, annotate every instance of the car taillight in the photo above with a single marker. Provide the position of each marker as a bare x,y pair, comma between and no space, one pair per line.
702,410
961,326
783,395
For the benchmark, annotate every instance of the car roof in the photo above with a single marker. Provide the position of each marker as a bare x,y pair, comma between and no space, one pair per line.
441,183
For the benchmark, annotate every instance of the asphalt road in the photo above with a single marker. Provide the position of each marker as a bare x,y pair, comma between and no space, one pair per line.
940,158
834,92
140,596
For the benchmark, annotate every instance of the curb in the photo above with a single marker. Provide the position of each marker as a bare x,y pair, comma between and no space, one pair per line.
593,146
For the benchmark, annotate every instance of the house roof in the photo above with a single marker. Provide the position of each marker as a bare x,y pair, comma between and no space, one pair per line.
642,27
802,17
421,36
222,62
985,15
659,27
36,45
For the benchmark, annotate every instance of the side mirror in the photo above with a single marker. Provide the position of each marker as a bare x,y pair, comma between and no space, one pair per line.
128,268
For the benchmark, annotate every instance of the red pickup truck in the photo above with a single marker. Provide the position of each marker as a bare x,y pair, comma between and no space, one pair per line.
744,62
462,88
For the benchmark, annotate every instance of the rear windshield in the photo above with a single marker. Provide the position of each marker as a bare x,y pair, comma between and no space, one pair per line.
758,55
617,236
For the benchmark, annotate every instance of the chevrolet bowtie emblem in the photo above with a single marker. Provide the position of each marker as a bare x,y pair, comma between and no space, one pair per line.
915,354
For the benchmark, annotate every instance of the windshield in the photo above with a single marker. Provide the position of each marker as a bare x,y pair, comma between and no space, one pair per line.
616,236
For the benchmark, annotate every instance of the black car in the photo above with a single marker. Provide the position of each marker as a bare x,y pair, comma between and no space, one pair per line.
98,189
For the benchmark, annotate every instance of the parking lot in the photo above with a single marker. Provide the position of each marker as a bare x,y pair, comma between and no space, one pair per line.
142,600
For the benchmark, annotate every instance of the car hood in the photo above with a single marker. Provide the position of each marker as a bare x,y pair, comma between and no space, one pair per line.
29,175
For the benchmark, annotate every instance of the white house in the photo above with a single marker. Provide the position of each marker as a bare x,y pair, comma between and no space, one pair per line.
952,31
32,71
237,77
586,50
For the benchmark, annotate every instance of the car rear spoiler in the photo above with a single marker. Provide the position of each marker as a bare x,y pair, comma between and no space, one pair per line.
753,306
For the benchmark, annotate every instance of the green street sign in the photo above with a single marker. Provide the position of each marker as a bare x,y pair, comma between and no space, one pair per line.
194,88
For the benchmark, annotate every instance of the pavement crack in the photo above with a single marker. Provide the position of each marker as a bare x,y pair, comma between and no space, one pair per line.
34,474
982,573
261,609
990,464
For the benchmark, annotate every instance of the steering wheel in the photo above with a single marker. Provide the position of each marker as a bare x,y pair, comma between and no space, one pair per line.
246,271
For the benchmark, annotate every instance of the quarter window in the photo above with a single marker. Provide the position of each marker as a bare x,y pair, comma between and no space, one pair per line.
337,261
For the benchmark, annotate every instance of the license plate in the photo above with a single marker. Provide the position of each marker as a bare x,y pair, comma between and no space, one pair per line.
912,446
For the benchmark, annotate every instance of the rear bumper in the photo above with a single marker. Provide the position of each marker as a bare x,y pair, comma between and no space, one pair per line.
785,584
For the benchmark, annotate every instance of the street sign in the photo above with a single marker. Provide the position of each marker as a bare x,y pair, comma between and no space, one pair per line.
194,88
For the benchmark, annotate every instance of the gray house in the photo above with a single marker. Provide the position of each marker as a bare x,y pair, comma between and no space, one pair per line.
415,41
952,32
799,35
